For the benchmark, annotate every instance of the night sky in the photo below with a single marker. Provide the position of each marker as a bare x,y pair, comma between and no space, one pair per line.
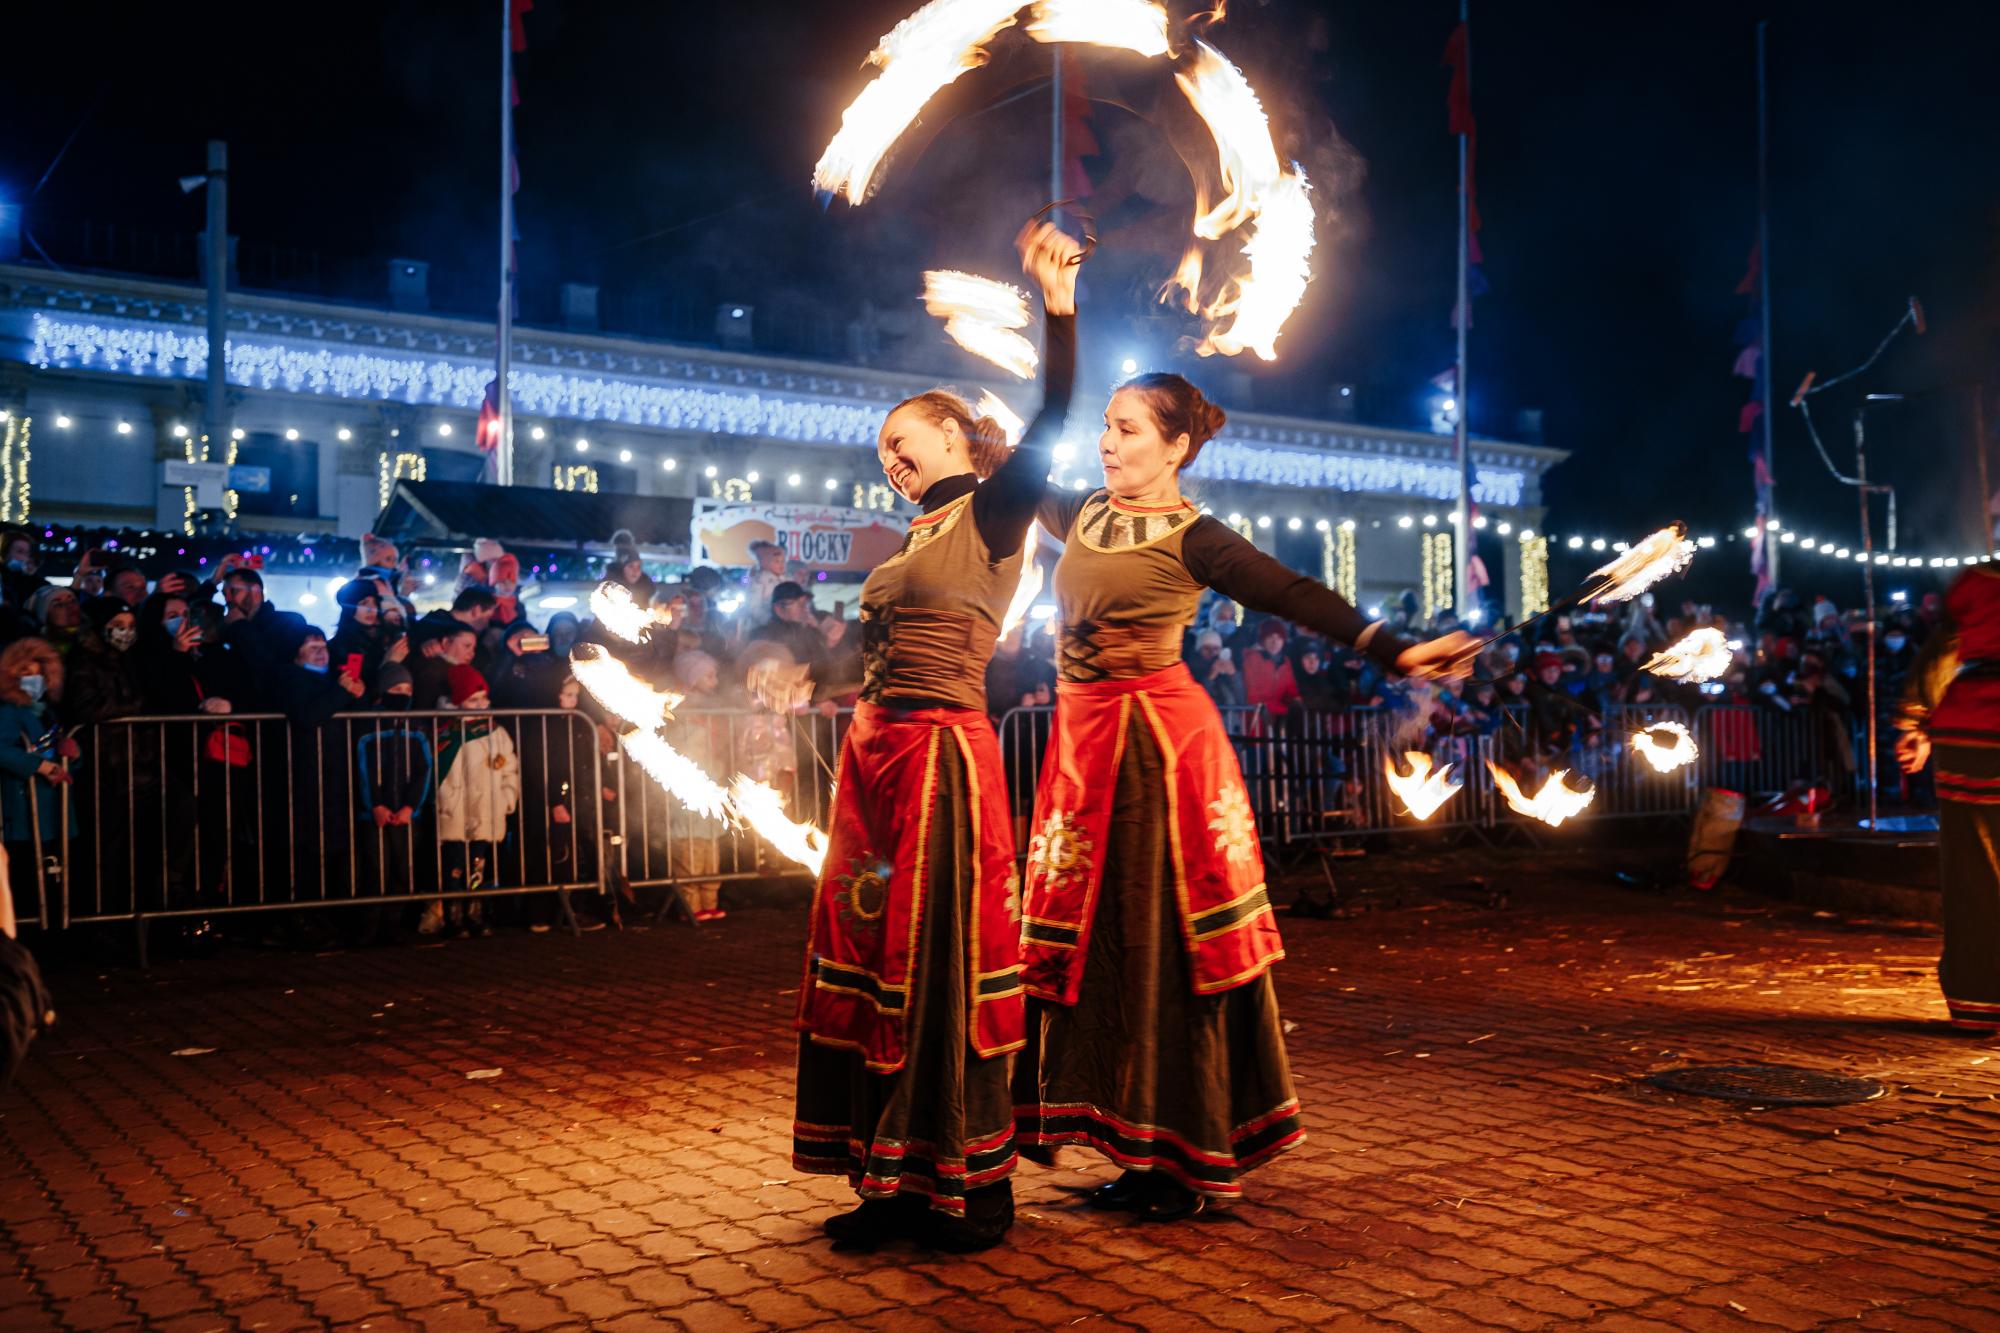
666,153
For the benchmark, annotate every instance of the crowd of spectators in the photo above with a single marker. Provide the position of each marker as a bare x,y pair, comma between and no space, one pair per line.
80,654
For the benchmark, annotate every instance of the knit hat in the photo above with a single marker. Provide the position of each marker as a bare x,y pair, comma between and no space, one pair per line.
788,592
486,550
38,601
379,552
464,682
1208,639
1546,659
391,675
356,591
99,611
691,665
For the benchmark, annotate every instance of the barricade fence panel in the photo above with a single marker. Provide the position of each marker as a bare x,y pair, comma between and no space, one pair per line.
211,814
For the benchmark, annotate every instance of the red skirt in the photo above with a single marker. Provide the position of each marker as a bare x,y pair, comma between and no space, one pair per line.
1218,869
869,904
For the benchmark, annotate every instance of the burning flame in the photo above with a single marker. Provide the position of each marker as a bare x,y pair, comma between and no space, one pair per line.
1665,553
1421,790
614,608
1133,25
1666,746
761,808
1027,589
1272,201
1702,655
991,405
981,315
619,690
922,54
1554,803
680,775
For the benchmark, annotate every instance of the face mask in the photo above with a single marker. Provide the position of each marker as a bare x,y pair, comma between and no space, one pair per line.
1894,643
18,566
396,703
319,670
32,686
172,624
122,637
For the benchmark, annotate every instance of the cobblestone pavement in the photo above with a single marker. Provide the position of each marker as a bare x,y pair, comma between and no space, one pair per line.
543,1132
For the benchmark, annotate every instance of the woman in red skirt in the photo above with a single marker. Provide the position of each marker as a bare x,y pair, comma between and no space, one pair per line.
912,999
1153,1033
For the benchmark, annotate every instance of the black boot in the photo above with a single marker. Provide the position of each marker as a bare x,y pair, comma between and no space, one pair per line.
1169,1201
989,1214
1129,1193
875,1221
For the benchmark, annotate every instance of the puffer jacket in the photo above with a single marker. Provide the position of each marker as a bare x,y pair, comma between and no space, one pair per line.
481,782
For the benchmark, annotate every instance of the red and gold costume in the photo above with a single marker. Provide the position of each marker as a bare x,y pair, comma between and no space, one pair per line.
912,999
1153,1029
1954,699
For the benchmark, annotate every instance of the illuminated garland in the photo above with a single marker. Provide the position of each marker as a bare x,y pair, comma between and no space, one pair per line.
136,348
1346,569
1534,575
1243,527
576,477
1438,563
392,468
14,494
230,499
874,495
733,489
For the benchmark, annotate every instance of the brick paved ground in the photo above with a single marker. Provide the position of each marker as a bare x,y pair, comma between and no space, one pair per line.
1479,1154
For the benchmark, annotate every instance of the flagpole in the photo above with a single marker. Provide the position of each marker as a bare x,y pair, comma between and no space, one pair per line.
1764,298
1056,132
503,449
1463,544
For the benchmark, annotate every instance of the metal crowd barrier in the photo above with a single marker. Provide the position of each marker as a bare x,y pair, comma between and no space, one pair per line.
207,815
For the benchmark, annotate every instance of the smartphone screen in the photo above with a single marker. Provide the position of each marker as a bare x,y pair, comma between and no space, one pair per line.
352,667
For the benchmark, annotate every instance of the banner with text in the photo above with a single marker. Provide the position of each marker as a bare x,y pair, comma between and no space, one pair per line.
829,537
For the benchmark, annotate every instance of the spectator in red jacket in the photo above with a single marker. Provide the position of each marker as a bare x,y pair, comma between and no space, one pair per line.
1267,671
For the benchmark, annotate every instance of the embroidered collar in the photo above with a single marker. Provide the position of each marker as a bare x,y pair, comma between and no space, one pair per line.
1108,524
937,515
1127,507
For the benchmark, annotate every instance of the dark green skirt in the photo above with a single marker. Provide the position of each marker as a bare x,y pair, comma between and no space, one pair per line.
1968,779
943,1125
1152,1075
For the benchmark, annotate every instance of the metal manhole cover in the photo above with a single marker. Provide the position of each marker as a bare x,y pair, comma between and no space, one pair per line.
1769,1085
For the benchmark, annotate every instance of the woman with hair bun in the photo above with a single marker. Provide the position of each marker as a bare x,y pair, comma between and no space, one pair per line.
912,998
1153,1032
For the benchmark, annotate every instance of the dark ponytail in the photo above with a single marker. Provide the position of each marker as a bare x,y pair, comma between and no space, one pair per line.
986,444
1178,409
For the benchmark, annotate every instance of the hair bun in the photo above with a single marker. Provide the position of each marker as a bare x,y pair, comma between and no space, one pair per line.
1209,421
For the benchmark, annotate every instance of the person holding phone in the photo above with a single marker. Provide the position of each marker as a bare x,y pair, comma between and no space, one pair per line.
361,643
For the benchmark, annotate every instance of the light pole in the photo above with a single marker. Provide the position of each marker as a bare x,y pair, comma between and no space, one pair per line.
216,417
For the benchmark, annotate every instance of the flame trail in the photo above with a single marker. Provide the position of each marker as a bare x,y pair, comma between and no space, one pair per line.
1421,790
990,404
680,775
1261,194
922,54
1666,746
619,690
1133,25
981,315
761,808
1027,589
1661,555
1554,803
1702,655
614,609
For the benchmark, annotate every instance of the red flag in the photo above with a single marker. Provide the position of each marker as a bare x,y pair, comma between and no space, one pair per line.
1458,100
1755,270
488,430
516,26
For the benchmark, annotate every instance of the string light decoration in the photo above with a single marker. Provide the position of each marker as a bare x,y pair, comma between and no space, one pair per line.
392,468
15,497
1437,572
576,477
1243,527
1534,575
230,499
1346,568
874,495
724,401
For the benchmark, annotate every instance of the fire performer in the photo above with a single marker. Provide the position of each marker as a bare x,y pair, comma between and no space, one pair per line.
1951,709
912,997
1153,1031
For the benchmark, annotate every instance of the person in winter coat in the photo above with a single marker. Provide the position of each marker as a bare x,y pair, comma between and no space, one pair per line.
525,675
34,768
103,676
479,787
393,765
361,634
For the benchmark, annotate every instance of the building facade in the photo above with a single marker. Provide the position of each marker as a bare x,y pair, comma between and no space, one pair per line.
101,381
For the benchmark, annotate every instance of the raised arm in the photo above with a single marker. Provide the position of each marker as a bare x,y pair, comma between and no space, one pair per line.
1005,504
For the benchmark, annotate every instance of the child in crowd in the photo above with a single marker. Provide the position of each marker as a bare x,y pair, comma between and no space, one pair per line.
479,787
